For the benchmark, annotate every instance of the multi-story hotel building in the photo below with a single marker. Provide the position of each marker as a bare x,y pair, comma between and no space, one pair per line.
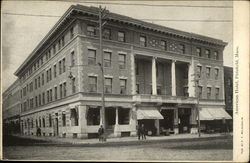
149,77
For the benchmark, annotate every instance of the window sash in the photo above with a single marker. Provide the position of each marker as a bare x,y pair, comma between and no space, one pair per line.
91,30
121,36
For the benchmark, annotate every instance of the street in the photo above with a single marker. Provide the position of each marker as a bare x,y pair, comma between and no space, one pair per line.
219,148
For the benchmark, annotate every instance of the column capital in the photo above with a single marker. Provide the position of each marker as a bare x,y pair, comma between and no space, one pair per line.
154,57
173,60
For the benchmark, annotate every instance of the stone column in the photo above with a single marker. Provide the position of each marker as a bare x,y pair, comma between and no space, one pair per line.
176,121
157,125
173,78
133,121
133,76
116,129
82,111
154,82
193,121
191,77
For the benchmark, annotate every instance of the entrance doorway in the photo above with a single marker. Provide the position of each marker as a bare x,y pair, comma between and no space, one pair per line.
168,121
56,128
110,115
184,120
149,125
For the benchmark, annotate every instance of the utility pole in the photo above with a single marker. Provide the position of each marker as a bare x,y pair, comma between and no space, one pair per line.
102,14
196,80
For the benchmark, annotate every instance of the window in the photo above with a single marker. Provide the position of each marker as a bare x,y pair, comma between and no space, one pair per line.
54,71
182,49
42,78
31,86
92,84
50,94
163,45
73,85
63,119
143,41
216,56
122,61
217,93
64,89
55,93
200,91
159,90
137,89
63,64
216,73
91,57
50,120
199,68
198,52
123,116
40,122
122,86
108,85
36,100
50,74
207,52
74,117
121,36
107,59
61,90
185,91
71,32
72,58
107,34
91,30
63,41
93,116
31,103
54,50
229,81
39,100
60,67
59,45
35,84
43,122
47,73
208,92
208,71
43,98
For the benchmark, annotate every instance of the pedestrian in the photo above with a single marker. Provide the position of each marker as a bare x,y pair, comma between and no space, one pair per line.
138,131
101,133
143,132
38,131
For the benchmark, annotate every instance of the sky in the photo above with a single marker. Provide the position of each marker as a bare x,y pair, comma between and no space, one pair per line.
25,23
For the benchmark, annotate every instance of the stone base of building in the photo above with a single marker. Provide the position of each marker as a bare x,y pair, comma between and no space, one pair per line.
176,130
193,130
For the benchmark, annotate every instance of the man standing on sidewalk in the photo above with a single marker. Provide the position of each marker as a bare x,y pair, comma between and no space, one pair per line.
143,132
101,133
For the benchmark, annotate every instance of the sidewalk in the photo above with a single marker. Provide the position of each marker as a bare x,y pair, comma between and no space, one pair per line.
77,141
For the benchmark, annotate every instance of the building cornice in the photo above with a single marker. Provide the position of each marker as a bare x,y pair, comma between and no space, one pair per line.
93,11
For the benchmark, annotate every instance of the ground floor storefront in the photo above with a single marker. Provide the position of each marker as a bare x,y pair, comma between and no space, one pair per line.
120,119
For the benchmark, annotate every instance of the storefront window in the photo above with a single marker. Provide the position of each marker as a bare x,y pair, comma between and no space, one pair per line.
93,116
123,116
